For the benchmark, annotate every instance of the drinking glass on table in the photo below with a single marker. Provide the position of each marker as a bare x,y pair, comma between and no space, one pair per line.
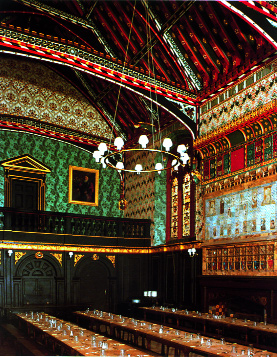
234,350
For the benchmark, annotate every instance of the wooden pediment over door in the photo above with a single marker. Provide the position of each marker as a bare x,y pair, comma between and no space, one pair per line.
25,183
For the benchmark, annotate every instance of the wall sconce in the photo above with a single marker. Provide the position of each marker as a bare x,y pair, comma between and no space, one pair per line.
10,252
70,254
192,252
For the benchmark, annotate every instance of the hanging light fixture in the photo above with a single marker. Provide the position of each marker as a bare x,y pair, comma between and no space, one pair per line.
192,252
114,158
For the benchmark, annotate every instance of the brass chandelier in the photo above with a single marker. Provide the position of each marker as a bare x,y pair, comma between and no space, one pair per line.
115,158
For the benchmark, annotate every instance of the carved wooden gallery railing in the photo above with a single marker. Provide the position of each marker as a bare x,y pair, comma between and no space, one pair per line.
67,223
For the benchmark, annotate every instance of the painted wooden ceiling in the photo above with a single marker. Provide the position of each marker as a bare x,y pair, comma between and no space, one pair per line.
143,62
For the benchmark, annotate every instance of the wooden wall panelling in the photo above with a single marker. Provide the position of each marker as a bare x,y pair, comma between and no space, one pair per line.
17,292
2,297
135,277
242,295
60,292
75,291
8,278
156,275
170,275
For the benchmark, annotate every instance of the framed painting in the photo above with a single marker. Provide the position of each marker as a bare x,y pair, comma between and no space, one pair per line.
83,186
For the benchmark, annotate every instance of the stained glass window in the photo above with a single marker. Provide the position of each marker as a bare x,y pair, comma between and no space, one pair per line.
174,208
180,205
186,205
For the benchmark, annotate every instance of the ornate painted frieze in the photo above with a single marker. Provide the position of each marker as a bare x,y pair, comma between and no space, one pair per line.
227,126
34,91
246,259
242,214
89,60
253,143
229,111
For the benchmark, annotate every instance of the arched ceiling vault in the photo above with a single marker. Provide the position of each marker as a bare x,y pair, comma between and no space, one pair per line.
146,61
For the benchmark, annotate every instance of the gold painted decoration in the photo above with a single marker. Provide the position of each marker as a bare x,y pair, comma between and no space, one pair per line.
95,257
39,255
17,256
112,259
77,257
93,250
58,256
62,248
256,114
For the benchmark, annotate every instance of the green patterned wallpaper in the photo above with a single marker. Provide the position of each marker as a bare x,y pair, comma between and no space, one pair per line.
160,209
58,156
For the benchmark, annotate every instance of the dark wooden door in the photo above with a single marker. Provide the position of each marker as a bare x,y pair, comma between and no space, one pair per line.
94,287
38,283
25,195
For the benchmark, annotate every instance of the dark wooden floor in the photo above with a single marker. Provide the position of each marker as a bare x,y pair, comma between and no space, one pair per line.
7,347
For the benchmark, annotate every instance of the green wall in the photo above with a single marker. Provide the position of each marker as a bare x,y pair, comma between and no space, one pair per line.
160,209
58,155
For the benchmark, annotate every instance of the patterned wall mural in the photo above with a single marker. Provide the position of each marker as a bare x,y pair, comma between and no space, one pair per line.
248,212
58,155
32,90
146,196
259,94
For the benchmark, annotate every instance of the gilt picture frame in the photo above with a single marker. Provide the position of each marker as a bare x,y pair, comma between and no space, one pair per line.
83,186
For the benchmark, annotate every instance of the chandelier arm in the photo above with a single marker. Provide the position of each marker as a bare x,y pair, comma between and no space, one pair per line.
178,161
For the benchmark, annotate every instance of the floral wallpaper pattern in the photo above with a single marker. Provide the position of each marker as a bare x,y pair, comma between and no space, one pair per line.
259,94
32,90
160,209
58,155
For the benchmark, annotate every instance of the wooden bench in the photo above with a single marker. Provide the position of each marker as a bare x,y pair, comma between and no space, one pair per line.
24,346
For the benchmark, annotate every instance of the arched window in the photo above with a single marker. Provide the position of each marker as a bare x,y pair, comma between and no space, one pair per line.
180,198
174,208
186,204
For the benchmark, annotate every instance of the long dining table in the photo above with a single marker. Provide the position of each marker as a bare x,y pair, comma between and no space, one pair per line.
183,343
67,339
206,322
